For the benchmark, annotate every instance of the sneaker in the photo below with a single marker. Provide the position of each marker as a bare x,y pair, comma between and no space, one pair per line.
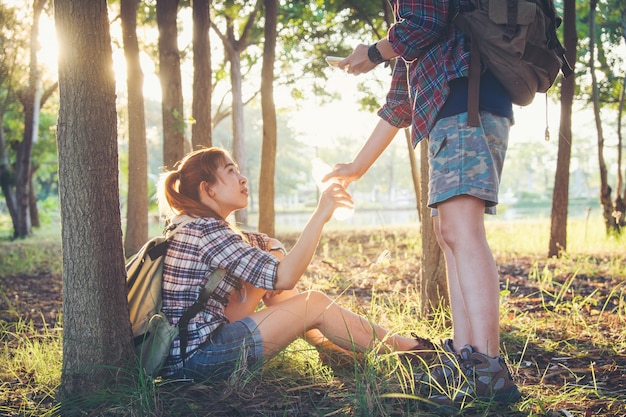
444,370
482,379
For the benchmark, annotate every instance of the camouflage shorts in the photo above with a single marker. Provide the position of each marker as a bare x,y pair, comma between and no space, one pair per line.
467,160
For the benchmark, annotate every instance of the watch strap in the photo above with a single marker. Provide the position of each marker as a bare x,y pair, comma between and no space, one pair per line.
374,54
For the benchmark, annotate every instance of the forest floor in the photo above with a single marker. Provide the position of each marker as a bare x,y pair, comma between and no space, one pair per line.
563,370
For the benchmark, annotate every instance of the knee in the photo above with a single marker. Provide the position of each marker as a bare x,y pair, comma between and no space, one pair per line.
446,236
317,298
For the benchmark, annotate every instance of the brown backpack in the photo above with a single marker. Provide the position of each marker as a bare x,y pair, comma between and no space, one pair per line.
517,41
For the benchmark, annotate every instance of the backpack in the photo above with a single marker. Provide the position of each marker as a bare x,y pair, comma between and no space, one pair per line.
517,41
153,334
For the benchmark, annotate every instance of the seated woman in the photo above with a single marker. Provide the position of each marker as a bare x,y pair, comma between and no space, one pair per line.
230,332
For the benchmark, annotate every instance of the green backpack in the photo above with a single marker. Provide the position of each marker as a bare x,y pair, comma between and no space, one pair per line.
153,334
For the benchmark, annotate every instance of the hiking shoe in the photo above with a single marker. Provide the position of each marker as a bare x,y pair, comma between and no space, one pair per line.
481,379
445,368
421,353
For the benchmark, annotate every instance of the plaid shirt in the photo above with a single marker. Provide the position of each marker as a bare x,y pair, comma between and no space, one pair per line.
197,250
433,52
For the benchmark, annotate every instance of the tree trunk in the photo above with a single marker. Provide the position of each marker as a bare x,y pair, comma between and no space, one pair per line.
32,200
239,147
434,285
415,173
171,85
7,181
201,130
560,194
620,204
30,99
96,326
605,189
233,48
268,151
137,200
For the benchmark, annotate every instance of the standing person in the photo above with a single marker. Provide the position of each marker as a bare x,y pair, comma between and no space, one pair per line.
429,91
230,333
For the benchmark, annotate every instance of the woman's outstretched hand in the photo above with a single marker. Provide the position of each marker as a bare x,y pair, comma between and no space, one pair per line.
332,198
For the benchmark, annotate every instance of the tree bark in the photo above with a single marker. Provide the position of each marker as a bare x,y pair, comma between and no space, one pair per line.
171,84
434,285
560,194
268,108
96,326
30,99
7,180
201,130
137,200
620,204
415,173
605,189
234,47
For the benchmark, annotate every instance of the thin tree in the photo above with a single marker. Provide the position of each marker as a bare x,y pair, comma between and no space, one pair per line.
268,108
620,189
96,326
433,283
234,45
137,206
605,189
30,97
560,194
171,84
201,130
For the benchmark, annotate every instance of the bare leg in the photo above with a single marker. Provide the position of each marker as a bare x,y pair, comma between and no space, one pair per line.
462,331
461,226
283,322
245,302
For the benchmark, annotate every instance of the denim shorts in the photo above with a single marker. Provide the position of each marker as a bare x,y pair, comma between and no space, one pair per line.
466,160
231,347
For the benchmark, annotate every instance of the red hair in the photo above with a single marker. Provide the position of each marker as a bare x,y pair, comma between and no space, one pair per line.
179,189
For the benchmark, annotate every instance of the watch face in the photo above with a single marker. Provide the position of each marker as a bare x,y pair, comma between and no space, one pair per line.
374,54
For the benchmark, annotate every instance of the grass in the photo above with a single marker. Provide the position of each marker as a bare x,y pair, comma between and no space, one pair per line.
562,323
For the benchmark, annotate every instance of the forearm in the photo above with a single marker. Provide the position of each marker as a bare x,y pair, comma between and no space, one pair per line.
379,139
293,265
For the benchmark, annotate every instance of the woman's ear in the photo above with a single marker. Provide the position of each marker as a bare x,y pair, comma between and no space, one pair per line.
205,188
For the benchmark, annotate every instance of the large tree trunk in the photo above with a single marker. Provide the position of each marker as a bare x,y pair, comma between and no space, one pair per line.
137,200
434,285
171,85
30,99
268,151
96,326
201,130
560,195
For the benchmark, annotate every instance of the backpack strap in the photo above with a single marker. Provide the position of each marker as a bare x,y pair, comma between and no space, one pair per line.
473,91
183,333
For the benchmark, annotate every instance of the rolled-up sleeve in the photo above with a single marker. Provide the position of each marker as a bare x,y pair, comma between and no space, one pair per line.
419,25
397,110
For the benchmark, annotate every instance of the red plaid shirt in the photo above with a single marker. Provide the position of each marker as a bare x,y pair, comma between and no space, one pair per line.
198,249
432,53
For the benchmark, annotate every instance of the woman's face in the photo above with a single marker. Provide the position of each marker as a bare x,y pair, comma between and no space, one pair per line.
229,191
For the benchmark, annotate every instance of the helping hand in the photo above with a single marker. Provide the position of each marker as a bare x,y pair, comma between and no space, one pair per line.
333,198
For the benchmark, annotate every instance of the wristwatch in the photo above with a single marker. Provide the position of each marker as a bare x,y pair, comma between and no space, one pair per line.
374,54
278,248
